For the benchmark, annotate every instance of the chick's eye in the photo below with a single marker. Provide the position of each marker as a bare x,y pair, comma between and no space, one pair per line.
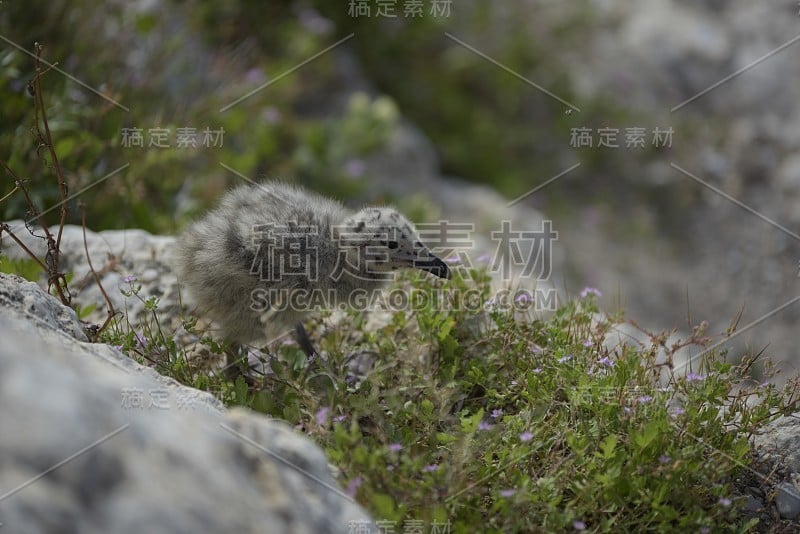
392,244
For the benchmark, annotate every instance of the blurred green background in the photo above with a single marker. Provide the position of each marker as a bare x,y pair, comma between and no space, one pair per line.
175,65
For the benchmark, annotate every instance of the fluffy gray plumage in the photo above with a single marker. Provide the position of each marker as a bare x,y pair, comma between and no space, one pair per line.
238,259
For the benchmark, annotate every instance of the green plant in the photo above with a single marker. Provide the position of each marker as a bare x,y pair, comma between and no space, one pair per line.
503,422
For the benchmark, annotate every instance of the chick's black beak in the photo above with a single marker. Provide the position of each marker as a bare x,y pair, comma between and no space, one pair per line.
434,266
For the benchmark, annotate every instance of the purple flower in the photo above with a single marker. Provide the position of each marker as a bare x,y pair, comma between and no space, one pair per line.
322,416
130,279
455,260
588,343
396,447
644,399
507,493
339,418
579,525
355,168
566,358
523,297
695,377
526,436
725,502
664,459
311,20
430,468
484,258
353,486
389,467
605,360
272,115
141,341
677,410
484,425
586,291
513,382
497,412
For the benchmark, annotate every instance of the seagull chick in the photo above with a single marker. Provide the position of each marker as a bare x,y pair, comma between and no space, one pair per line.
270,253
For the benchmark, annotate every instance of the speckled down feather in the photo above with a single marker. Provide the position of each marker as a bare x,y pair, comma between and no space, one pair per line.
236,263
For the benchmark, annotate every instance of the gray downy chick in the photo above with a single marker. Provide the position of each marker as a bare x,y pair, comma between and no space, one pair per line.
244,262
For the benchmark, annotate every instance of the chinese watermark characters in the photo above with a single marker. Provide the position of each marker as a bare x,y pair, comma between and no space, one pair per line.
393,8
163,138
631,138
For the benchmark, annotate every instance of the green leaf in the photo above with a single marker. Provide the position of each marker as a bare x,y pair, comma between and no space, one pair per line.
607,447
646,436
383,506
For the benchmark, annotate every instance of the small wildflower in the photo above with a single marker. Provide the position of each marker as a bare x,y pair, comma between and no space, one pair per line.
430,468
523,297
677,410
141,341
355,168
118,347
536,370
339,419
272,115
695,377
455,260
566,358
395,447
586,291
389,467
497,412
507,493
484,425
644,399
588,343
513,382
664,459
626,409
526,436
322,416
484,258
725,502
605,360
131,278
353,486
579,525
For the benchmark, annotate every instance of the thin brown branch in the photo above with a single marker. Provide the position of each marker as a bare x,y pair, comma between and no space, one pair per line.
111,311
16,187
5,227
62,186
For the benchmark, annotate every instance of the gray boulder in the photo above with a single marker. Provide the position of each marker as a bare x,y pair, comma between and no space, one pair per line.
93,442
